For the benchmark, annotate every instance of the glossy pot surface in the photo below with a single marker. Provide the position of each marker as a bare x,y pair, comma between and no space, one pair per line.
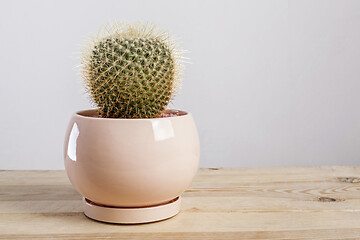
131,162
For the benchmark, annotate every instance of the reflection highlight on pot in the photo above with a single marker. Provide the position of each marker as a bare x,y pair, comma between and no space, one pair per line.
162,129
71,151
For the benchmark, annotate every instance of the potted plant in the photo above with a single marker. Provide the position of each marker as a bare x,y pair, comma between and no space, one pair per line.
131,158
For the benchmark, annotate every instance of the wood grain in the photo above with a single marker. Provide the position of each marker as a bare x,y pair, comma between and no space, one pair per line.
242,203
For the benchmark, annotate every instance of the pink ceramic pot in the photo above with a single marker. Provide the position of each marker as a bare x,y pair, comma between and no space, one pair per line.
131,162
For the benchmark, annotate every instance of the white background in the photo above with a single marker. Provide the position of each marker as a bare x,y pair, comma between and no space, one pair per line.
271,82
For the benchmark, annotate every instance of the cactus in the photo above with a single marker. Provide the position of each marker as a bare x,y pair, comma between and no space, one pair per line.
131,71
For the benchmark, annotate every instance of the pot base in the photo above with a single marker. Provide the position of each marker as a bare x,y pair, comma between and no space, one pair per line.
131,215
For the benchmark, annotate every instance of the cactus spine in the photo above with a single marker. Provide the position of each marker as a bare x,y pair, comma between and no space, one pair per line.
131,71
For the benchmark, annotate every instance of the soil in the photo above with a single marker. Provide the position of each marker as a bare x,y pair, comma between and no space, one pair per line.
163,115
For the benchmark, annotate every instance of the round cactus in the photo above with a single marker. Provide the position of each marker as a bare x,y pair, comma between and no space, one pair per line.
132,71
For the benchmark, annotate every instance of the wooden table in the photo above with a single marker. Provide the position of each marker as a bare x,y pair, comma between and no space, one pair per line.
242,203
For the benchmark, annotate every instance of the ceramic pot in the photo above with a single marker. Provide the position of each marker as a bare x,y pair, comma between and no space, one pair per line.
132,163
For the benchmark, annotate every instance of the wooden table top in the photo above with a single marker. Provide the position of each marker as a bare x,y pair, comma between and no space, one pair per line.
237,203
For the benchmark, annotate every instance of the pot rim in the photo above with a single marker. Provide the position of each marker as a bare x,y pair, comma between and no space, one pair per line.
87,114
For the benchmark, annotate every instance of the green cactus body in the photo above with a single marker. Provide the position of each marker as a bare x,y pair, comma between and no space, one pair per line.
131,73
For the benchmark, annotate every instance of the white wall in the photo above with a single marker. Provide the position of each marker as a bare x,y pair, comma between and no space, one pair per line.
272,82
